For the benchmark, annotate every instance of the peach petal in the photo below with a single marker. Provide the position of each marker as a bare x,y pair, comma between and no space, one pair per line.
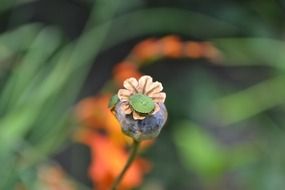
159,97
128,111
124,94
156,109
154,88
193,49
126,108
131,84
144,81
136,116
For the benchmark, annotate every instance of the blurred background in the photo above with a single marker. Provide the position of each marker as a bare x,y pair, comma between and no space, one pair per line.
222,67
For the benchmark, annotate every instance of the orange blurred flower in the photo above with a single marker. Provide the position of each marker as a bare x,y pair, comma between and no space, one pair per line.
193,49
95,114
108,159
125,70
102,133
171,46
145,50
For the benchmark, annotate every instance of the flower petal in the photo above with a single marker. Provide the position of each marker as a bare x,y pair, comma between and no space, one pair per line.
154,88
158,97
124,94
156,109
126,108
136,116
144,82
131,84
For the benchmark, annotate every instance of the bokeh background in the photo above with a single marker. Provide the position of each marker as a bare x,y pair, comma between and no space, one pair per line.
221,64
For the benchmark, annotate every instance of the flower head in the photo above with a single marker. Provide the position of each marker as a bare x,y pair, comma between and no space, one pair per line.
141,97
140,108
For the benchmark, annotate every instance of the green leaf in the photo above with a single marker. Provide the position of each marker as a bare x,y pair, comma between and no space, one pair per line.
252,51
251,101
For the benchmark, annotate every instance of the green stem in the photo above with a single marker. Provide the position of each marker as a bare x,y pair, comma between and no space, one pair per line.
135,148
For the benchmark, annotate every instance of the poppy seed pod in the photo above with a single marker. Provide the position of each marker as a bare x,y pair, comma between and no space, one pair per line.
140,108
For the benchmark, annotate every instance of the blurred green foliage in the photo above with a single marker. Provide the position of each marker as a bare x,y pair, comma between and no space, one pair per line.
203,153
199,150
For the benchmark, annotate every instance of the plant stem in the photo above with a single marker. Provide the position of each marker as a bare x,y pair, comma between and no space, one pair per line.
135,148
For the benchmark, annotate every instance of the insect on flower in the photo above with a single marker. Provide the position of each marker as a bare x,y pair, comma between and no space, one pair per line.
140,108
